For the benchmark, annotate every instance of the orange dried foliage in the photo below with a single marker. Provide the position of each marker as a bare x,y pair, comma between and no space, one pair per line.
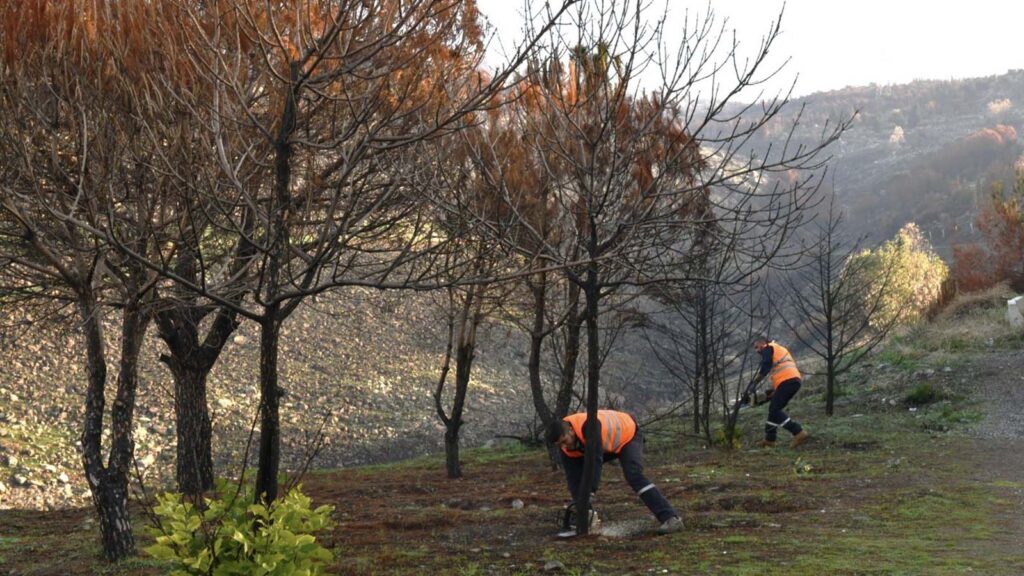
972,268
1001,224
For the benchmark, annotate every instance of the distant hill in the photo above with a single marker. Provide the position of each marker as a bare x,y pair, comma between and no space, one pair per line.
927,151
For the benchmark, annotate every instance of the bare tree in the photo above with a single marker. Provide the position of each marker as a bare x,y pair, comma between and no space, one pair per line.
467,308
835,301
700,334
637,174
307,108
68,123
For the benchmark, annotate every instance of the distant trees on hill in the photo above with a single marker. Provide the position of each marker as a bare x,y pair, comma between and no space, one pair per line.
999,256
936,190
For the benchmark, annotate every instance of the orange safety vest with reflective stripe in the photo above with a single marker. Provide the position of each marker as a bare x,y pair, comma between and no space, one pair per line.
783,365
617,429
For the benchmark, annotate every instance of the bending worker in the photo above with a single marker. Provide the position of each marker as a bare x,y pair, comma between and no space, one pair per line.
620,438
778,362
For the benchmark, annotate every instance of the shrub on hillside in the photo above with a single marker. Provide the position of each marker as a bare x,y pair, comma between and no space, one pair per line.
1001,254
907,272
233,537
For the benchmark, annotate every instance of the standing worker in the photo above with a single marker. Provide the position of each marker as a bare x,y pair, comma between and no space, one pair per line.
778,362
620,438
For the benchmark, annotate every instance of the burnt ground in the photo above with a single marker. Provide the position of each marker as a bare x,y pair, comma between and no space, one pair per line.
883,487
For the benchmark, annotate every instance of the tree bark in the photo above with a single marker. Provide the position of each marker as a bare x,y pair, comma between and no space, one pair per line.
109,484
592,428
270,323
194,466
830,388
269,456
465,351
536,342
190,363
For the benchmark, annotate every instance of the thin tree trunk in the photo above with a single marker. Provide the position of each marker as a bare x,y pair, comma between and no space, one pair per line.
537,335
463,365
465,351
109,484
830,387
270,323
570,360
451,451
592,428
270,400
536,342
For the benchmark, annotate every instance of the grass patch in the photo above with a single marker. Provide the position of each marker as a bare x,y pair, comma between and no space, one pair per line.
922,394
897,359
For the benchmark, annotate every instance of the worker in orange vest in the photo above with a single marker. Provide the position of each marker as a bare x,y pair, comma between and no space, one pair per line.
777,362
620,439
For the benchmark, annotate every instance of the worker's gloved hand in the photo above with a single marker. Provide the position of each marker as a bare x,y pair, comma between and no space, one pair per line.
768,393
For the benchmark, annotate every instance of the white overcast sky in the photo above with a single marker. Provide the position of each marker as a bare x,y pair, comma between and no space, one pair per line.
832,44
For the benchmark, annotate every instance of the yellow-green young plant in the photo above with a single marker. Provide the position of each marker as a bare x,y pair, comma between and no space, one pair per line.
729,440
233,537
907,271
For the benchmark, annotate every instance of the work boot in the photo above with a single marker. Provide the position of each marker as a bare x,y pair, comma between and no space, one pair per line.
799,439
673,524
766,443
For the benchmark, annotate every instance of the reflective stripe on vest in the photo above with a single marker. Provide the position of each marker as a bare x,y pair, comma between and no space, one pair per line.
783,365
617,429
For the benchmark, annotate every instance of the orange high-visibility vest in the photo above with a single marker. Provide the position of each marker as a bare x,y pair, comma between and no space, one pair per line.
783,365
617,428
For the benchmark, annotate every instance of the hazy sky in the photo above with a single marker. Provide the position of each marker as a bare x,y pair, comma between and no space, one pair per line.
832,44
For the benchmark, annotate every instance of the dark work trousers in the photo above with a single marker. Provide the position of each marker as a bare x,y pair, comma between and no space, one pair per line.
631,460
776,417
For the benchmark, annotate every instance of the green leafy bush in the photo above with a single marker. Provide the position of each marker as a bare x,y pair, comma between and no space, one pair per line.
908,273
232,536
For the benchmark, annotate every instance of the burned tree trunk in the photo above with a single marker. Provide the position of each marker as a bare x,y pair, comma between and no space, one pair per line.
190,362
462,328
109,484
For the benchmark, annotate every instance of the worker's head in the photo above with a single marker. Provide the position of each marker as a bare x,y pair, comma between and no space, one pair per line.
760,342
560,433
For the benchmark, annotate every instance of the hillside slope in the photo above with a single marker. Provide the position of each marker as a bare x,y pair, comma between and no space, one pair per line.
927,151
362,364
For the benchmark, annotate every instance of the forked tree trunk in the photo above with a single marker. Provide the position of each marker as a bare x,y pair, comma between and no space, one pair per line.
109,484
464,355
190,363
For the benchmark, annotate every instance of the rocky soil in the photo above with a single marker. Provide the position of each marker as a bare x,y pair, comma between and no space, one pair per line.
362,365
